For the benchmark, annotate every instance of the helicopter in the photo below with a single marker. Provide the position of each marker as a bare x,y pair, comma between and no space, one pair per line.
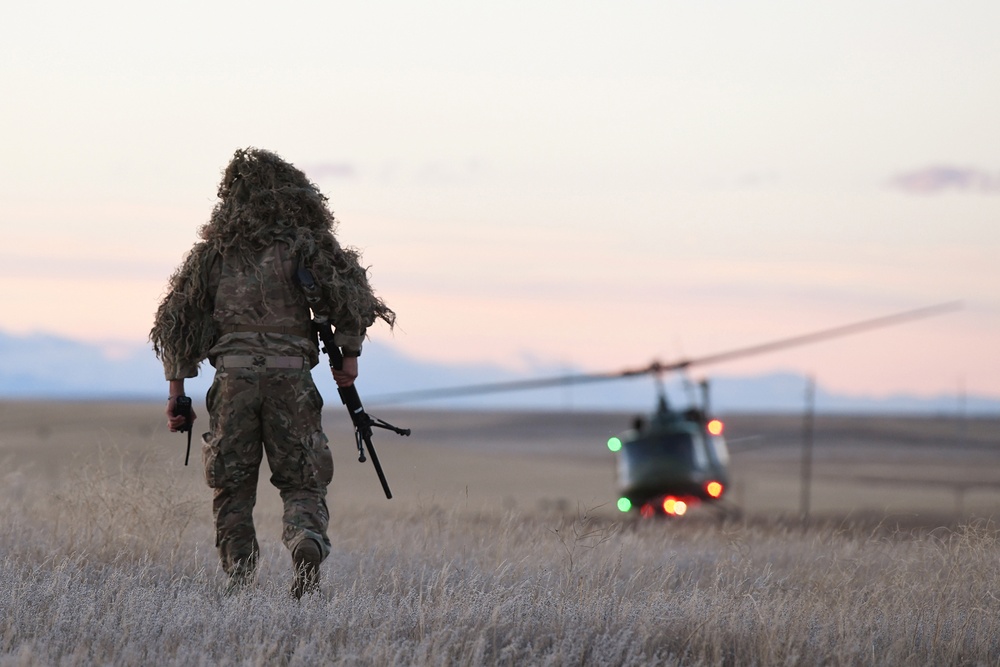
672,460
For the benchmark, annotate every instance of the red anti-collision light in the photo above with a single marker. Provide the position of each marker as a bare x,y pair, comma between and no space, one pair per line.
714,489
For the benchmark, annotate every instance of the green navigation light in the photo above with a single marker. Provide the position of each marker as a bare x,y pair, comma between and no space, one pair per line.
624,504
614,444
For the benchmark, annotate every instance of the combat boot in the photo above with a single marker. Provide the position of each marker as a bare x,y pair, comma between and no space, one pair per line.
305,560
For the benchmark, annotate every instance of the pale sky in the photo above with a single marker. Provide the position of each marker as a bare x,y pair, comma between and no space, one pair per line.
586,183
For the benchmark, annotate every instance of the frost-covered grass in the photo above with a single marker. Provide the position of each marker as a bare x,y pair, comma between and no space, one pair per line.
114,565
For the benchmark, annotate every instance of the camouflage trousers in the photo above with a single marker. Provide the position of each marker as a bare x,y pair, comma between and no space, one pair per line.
274,412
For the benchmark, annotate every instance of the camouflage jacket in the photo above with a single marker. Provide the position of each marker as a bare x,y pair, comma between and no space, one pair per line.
264,295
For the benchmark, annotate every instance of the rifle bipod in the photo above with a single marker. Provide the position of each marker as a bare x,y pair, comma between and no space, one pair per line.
363,439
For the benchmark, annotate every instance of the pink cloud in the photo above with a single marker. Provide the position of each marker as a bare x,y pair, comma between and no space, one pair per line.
941,178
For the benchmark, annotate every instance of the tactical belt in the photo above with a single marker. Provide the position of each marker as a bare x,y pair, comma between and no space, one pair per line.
258,361
301,331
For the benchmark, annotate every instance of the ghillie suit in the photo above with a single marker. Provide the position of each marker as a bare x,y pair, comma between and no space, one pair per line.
235,301
262,200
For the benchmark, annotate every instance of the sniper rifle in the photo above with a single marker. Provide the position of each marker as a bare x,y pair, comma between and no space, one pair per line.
363,422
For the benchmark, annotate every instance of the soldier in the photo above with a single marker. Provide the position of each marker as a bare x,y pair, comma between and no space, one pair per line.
235,302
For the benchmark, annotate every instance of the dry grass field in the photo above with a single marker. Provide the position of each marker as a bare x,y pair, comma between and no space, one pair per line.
501,546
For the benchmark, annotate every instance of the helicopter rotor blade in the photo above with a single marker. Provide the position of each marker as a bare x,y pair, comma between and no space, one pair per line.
825,334
659,368
495,387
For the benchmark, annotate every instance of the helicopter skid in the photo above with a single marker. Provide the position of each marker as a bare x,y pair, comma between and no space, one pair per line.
673,507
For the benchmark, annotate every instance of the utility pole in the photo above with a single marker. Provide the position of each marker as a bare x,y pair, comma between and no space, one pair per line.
807,448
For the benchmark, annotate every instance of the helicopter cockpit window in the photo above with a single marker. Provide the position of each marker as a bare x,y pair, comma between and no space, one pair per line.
718,449
681,448
700,455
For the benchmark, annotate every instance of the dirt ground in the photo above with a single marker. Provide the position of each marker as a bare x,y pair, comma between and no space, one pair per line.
908,466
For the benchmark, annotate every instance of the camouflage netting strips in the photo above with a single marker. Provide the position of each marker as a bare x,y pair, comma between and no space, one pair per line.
262,199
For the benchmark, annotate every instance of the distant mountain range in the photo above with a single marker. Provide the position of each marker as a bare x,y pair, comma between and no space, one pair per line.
51,367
